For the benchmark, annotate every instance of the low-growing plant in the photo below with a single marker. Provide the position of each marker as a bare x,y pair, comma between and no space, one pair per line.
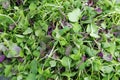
59,40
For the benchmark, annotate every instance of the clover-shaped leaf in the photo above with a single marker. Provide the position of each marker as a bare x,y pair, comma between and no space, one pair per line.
74,15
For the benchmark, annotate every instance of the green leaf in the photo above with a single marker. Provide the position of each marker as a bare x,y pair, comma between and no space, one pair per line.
2,47
75,56
82,66
47,73
112,48
68,74
91,52
19,77
97,65
32,7
93,30
31,76
28,31
103,25
8,70
88,30
19,36
36,53
86,78
53,63
107,69
66,62
33,66
14,51
74,15
62,41
44,26
94,35
64,30
38,32
76,27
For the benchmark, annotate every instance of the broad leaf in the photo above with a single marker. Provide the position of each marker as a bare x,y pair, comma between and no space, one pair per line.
33,66
52,63
107,69
8,70
66,62
31,77
14,51
32,7
76,27
28,31
92,29
74,15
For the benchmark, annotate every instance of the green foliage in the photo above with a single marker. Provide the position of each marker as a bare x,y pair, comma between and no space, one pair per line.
60,39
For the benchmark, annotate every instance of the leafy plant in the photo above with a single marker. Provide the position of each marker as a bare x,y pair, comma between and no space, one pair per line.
59,39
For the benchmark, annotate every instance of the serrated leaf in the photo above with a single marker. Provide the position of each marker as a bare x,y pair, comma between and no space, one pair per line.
74,15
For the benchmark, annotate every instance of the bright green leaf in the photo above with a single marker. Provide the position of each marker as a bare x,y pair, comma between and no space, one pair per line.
64,30
53,63
94,35
66,62
32,7
68,74
8,70
74,15
19,77
76,27
28,31
107,69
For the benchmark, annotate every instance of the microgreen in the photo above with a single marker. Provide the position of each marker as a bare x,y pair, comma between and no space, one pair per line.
59,39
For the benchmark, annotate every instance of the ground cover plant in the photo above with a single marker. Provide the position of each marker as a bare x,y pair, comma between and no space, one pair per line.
59,39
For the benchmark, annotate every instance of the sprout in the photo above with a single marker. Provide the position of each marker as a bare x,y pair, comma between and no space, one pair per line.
100,54
99,10
108,57
20,59
90,2
118,59
2,58
84,58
